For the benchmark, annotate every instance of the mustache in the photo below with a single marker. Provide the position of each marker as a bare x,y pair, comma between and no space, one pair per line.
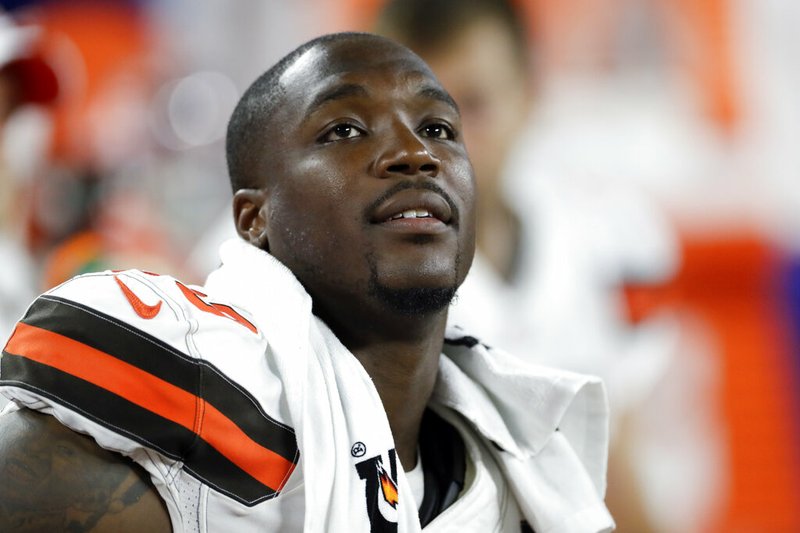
413,184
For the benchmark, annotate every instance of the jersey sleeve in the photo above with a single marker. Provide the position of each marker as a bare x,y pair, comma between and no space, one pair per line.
143,364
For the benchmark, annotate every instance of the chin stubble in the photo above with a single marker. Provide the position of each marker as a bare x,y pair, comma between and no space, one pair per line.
413,301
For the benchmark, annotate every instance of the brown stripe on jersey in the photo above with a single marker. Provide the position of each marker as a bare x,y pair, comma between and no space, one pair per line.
234,435
154,356
139,424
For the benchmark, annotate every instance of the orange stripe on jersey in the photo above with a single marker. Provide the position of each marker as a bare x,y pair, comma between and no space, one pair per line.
153,394
108,372
266,466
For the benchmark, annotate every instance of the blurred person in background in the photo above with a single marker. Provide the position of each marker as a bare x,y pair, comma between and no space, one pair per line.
551,257
96,202
26,79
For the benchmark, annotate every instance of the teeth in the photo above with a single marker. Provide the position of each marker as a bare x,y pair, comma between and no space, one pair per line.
412,213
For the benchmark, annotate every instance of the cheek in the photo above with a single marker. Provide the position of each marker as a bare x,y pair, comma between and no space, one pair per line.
314,230
300,226
300,206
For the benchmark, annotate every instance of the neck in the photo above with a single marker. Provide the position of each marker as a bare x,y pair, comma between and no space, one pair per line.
401,355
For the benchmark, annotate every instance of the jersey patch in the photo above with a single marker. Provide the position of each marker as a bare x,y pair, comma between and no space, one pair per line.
142,309
139,386
380,491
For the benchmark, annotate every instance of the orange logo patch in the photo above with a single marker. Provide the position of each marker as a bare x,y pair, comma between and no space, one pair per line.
142,309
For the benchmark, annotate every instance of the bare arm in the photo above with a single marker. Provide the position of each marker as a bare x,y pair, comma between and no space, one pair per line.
54,479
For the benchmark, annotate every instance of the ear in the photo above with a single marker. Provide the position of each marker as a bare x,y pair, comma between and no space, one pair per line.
250,214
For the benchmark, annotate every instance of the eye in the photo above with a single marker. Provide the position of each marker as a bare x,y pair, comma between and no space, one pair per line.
341,131
438,131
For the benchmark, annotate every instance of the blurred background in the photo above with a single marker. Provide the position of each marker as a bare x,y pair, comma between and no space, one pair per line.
639,204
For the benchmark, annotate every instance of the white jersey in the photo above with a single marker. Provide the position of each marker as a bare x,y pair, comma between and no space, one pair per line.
248,413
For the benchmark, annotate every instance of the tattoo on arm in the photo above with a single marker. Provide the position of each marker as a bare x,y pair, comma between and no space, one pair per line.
57,480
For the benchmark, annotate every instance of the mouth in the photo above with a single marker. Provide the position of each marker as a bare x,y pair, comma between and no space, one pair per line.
422,206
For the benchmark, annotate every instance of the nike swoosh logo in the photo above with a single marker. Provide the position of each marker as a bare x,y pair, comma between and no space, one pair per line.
142,309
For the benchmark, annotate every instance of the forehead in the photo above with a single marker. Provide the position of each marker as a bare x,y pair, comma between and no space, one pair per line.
376,67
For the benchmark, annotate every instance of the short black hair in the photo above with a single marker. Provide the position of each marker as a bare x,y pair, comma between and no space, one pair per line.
427,25
243,143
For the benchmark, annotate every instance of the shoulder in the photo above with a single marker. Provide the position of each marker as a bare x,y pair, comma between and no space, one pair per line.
58,480
134,316
146,300
138,360
126,335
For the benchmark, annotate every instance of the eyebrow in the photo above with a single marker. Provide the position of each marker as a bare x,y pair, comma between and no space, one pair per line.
336,93
349,90
431,91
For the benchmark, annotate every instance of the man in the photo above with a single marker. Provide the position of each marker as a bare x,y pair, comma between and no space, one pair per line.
313,387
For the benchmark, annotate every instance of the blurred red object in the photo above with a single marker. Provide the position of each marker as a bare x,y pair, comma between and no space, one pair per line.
731,283
22,60
94,44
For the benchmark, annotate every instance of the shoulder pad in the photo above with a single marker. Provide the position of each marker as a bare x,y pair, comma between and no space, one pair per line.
151,359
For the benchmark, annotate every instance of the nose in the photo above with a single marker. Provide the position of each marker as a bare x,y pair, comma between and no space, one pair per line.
406,155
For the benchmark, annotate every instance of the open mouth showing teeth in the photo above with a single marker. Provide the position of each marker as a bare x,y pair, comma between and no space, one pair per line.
412,213
427,209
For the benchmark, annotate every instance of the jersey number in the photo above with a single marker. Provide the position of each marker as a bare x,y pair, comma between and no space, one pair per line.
225,311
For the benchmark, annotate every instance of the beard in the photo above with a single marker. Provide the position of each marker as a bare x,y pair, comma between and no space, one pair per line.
413,301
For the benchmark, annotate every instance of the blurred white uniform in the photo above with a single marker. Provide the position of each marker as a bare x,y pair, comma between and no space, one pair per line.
563,308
